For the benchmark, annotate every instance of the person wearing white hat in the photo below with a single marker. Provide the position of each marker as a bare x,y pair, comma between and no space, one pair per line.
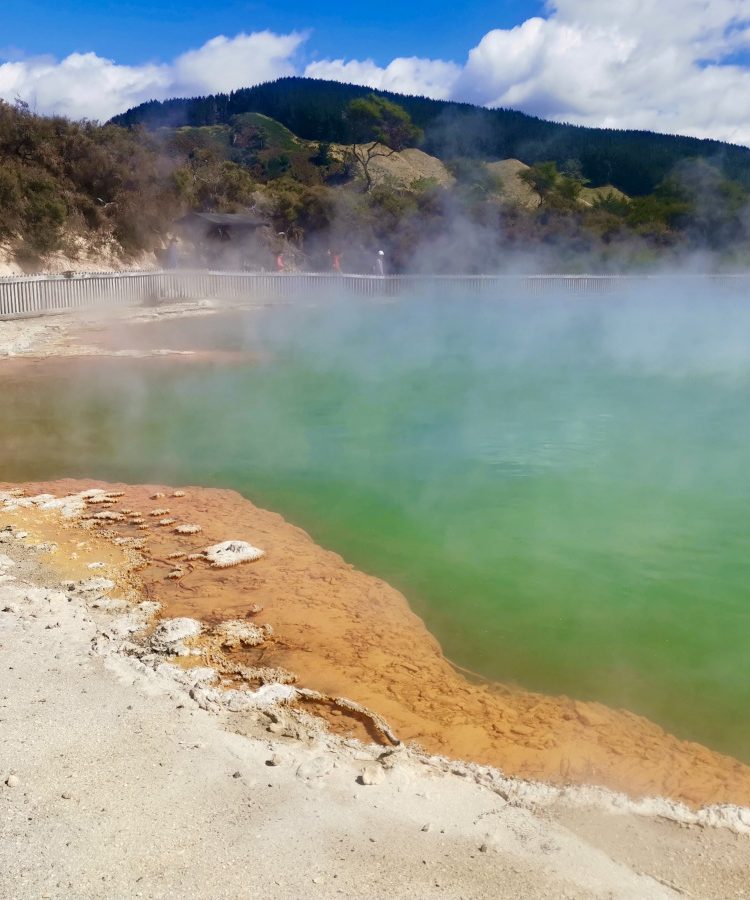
379,266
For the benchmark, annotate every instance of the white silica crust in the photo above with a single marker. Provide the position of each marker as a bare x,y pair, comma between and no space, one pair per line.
236,633
70,505
98,585
231,553
170,634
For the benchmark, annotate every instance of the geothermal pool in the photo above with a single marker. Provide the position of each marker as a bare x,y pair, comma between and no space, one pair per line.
561,487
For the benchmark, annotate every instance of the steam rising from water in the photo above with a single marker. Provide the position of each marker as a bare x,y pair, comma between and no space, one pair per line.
560,485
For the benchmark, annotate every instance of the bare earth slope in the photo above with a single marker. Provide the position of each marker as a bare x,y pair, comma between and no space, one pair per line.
403,169
513,189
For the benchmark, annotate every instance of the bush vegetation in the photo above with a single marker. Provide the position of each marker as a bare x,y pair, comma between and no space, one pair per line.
60,178
126,182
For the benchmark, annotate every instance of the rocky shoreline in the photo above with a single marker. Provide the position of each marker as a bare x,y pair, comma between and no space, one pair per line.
113,738
301,625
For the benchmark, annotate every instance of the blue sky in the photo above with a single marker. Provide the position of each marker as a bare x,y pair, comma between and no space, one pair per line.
679,66
135,31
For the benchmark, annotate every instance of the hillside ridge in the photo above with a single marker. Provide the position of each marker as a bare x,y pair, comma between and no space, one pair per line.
79,195
633,161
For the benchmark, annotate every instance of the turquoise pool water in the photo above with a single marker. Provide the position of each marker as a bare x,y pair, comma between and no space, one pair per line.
561,487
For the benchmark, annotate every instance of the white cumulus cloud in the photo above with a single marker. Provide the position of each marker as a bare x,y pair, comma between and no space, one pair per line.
84,85
224,64
407,75
671,66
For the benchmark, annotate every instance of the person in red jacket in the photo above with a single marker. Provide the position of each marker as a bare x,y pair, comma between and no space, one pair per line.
280,264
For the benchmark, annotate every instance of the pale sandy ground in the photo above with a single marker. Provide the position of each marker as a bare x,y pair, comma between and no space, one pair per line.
73,334
115,783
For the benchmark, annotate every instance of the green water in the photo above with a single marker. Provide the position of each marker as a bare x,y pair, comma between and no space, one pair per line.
561,488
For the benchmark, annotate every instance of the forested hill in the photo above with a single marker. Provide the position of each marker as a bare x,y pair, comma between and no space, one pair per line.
634,161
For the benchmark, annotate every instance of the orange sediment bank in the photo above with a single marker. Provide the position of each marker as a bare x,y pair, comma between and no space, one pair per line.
347,634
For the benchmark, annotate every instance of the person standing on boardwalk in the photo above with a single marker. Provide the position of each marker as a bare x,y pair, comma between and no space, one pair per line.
172,256
335,261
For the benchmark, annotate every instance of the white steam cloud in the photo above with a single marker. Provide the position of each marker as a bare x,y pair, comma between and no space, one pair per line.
677,66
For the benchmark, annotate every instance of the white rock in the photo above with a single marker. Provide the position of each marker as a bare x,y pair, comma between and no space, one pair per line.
12,781
110,603
95,585
169,634
236,633
41,499
149,608
108,515
317,767
188,528
372,774
273,694
188,677
231,553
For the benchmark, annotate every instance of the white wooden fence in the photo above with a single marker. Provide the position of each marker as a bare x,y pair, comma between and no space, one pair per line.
42,294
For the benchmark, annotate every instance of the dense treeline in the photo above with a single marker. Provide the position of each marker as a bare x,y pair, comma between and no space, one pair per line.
633,161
